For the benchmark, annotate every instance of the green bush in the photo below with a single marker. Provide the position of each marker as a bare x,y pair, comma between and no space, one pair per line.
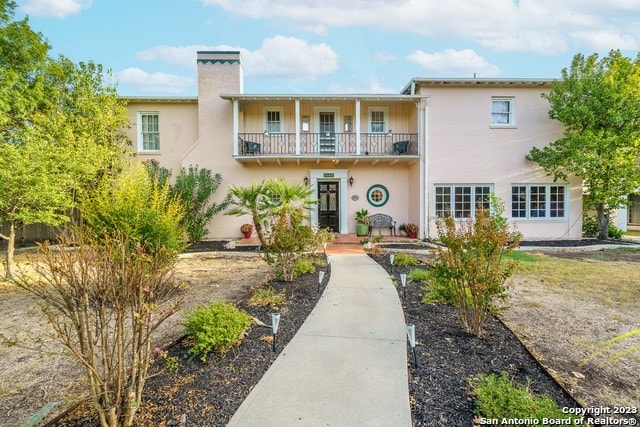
216,327
497,398
418,275
303,266
615,232
405,260
266,298
589,226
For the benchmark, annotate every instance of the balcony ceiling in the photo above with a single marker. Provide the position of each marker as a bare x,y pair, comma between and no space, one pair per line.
280,160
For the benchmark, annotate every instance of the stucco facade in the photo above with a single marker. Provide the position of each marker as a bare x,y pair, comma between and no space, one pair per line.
438,146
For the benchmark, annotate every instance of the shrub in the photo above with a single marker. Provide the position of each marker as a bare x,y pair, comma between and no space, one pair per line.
497,398
589,226
471,266
216,327
405,260
418,275
615,232
266,298
303,266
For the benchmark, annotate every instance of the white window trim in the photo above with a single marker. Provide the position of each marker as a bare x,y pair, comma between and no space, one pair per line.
512,123
452,187
139,131
279,109
385,111
547,202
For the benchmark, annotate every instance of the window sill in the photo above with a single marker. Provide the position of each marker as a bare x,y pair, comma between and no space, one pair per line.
503,127
148,151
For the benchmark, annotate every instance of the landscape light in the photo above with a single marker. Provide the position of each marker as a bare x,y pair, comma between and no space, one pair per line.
411,334
403,279
391,258
320,278
275,321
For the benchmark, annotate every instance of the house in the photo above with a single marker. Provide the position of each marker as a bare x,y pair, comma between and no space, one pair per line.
439,146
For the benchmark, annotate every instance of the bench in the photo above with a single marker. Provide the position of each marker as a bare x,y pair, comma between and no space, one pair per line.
380,221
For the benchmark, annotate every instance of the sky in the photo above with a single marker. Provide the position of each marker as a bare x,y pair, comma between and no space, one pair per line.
332,46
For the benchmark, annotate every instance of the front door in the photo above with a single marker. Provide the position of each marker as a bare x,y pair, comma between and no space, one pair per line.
328,212
327,130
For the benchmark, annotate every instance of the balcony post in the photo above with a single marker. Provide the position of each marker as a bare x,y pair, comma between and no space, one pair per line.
297,127
235,127
357,127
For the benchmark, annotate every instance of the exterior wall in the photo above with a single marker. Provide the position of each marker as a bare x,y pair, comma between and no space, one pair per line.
178,131
465,149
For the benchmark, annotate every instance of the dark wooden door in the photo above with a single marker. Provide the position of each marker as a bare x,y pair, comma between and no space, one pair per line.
328,209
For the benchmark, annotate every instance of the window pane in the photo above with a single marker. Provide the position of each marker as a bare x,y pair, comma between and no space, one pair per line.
150,132
377,121
634,209
557,201
537,201
518,201
501,110
273,122
443,202
462,207
482,197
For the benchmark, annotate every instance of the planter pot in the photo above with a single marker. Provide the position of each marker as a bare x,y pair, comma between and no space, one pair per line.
412,235
362,229
247,235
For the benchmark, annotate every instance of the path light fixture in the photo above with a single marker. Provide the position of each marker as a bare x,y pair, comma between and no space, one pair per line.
411,334
391,258
403,279
275,321
320,278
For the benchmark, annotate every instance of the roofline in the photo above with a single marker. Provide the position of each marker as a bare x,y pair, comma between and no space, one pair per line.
319,97
161,99
460,82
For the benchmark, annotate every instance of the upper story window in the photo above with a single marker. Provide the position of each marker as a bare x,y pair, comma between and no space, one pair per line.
461,201
533,201
273,117
148,131
502,112
378,119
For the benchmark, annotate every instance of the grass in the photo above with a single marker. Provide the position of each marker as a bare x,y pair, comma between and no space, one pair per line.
613,283
266,298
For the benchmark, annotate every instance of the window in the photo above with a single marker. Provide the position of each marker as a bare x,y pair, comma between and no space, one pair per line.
502,113
273,120
538,201
378,119
377,195
461,201
148,132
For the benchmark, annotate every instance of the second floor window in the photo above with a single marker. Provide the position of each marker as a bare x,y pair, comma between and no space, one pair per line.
149,132
377,121
502,113
273,123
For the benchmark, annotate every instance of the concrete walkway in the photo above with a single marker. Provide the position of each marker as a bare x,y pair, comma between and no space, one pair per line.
347,365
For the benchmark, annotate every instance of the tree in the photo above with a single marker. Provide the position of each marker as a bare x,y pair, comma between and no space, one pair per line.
598,102
60,129
194,187
250,200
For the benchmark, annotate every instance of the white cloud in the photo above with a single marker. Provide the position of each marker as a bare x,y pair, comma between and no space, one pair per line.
155,83
542,26
463,63
278,56
55,8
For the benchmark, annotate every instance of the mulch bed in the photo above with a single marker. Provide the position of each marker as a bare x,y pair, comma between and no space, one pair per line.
208,393
447,356
219,246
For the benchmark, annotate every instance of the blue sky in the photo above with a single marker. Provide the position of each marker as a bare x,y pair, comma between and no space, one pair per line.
332,46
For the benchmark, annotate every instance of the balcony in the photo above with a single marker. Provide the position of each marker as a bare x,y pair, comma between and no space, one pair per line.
337,147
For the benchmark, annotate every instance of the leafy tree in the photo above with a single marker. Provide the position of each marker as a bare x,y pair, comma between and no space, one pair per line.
60,129
194,187
598,102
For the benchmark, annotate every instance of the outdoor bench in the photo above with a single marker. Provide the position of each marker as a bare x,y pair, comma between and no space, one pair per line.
380,221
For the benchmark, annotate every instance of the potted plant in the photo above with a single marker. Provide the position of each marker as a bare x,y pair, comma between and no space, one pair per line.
411,230
403,229
362,222
246,230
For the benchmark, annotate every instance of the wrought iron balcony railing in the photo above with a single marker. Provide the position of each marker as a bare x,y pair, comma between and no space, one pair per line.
327,144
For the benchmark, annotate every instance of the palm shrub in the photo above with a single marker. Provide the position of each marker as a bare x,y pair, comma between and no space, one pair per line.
470,267
250,200
194,188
